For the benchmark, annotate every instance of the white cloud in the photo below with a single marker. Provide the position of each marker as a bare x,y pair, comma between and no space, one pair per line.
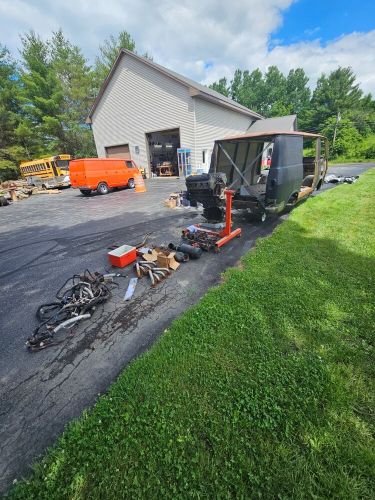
356,50
203,39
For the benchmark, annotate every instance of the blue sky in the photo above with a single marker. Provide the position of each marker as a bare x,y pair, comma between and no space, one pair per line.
208,39
306,20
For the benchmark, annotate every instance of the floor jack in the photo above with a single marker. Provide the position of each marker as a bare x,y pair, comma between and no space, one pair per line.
222,237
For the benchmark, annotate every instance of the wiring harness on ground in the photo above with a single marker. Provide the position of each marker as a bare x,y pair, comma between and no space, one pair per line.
76,300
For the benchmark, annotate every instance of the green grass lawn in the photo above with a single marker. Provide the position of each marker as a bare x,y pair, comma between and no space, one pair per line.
263,389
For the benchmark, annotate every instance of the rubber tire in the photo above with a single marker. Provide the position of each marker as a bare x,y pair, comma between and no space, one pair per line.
86,192
3,201
102,188
131,184
308,181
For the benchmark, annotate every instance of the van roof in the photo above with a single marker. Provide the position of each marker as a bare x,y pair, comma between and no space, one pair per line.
101,159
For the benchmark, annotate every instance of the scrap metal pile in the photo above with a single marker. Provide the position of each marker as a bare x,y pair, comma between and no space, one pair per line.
202,237
336,179
76,300
11,191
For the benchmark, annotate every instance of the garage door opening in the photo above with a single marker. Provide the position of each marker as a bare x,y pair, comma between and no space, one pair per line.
121,151
162,149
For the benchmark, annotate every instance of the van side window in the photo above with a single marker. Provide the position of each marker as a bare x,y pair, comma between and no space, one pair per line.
129,164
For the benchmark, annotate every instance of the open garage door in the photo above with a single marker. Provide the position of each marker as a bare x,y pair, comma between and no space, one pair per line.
162,149
122,151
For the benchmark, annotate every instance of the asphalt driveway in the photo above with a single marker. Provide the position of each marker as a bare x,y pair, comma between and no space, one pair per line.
45,240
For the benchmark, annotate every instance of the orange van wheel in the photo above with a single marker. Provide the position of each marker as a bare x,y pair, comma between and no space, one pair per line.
102,188
131,183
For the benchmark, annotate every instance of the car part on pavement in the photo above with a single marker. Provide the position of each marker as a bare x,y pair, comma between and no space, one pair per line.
146,268
193,251
76,300
205,239
131,288
181,257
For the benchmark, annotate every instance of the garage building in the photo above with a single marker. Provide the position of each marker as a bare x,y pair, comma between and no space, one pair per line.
146,112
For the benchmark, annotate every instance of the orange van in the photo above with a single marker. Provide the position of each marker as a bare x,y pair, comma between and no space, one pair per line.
102,174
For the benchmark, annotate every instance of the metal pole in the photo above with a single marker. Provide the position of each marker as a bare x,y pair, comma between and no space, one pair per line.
228,212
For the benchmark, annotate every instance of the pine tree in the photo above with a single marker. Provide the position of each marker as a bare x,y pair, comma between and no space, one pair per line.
11,152
41,97
108,54
57,92
76,79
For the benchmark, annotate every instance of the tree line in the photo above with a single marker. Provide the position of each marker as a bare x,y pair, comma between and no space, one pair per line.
45,97
47,91
336,107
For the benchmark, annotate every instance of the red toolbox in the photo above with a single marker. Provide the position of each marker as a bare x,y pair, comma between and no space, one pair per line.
122,256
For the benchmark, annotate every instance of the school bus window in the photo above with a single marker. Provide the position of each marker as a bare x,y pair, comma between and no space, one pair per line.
63,164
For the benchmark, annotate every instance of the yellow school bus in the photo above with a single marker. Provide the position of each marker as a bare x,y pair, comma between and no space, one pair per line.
51,172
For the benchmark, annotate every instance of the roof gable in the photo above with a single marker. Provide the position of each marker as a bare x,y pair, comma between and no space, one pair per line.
196,89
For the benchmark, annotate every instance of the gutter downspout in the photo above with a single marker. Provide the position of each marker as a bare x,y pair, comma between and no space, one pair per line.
195,140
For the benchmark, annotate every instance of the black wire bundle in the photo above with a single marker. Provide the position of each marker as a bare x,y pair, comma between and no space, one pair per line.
76,300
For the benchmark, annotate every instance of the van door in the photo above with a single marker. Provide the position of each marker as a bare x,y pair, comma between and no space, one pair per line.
130,171
286,171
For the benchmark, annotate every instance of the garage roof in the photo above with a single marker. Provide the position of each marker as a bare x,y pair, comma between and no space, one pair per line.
195,88
287,123
255,135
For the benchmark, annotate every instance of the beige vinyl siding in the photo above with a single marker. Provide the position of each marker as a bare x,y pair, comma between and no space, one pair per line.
140,99
214,122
